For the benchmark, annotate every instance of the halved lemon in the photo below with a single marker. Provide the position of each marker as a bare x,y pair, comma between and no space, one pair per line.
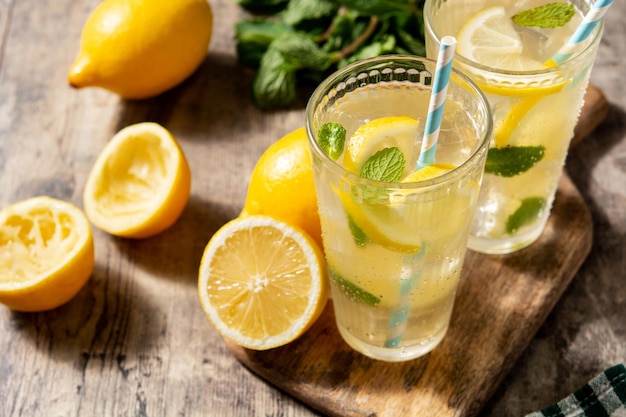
262,282
377,134
46,253
490,38
139,184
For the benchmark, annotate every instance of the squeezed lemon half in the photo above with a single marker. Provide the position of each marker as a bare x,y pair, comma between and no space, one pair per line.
139,184
46,253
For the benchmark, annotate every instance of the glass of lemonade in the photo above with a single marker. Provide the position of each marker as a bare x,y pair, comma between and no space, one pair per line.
535,104
394,238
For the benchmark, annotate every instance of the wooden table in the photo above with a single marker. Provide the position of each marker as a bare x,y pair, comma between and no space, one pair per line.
134,341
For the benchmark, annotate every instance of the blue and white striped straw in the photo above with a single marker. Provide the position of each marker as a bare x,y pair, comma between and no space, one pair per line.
411,275
437,101
590,21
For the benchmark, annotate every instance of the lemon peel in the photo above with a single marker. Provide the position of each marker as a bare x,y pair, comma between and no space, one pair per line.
282,186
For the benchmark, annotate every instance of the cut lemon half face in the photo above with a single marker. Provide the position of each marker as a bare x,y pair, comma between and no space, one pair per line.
262,283
490,38
46,253
378,134
139,184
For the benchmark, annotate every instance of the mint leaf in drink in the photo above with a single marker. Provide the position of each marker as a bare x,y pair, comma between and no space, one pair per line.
552,15
360,238
352,291
526,213
386,165
331,138
513,160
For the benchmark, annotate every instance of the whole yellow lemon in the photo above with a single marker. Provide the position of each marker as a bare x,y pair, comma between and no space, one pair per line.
281,185
141,48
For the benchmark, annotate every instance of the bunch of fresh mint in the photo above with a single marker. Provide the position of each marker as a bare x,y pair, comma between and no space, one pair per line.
291,42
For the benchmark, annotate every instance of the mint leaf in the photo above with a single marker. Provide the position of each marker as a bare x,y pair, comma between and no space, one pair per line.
331,138
254,36
526,213
379,7
360,238
301,10
274,84
353,291
299,51
385,165
384,46
552,15
513,160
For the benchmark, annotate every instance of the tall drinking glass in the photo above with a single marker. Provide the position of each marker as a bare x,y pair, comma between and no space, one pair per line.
395,246
535,104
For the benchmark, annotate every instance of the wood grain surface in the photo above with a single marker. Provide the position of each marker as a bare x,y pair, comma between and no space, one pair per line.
500,304
135,341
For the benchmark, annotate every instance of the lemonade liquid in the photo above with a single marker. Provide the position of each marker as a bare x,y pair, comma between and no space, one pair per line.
395,250
535,110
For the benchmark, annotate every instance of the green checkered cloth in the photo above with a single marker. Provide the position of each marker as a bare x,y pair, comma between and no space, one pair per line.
603,396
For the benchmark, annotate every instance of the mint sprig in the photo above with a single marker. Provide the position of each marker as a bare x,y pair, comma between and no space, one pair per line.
331,138
306,40
552,15
386,165
513,160
526,213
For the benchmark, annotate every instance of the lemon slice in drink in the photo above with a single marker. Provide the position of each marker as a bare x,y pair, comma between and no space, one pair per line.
428,172
490,38
377,134
387,222
382,222
262,282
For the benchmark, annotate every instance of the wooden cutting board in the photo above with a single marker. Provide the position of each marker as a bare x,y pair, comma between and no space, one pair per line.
501,302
